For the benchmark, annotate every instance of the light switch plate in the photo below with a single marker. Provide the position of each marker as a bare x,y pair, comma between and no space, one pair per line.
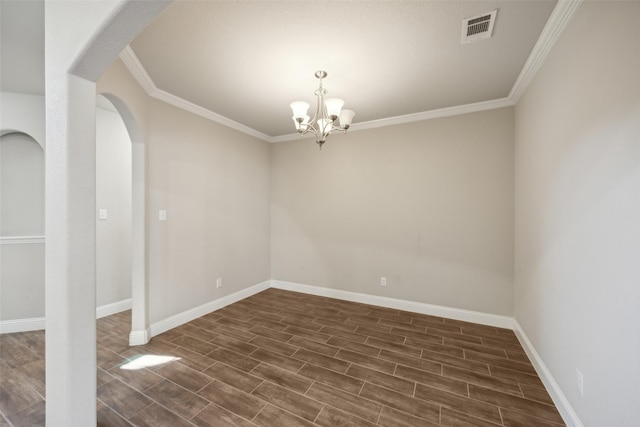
162,215
102,214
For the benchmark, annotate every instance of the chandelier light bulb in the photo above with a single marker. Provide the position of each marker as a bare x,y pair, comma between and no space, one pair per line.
334,105
299,109
301,124
346,117
325,126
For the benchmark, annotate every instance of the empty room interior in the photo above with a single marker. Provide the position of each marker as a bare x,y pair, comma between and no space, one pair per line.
282,213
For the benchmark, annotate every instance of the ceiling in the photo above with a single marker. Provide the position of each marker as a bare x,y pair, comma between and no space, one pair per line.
247,61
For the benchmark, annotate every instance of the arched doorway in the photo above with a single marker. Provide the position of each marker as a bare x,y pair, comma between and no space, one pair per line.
74,59
129,195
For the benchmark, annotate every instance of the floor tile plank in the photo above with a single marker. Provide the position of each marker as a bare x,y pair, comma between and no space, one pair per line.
282,359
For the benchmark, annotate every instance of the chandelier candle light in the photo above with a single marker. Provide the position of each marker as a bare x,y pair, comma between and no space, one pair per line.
325,120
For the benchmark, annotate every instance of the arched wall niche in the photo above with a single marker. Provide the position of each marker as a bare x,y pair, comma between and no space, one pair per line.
4,132
23,113
22,185
21,226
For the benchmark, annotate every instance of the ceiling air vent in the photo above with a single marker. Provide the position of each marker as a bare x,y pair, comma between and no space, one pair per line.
478,27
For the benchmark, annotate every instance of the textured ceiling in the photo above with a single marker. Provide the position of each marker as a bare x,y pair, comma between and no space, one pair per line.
247,61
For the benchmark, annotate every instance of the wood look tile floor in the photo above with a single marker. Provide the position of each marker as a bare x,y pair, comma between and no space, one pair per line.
283,359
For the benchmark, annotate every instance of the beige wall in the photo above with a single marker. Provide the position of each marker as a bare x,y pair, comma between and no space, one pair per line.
214,184
113,193
428,205
577,252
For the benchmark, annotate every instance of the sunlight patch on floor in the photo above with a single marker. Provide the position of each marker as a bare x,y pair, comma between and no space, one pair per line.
146,361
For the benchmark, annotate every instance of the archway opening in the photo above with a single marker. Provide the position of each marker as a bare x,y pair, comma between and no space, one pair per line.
114,207
132,164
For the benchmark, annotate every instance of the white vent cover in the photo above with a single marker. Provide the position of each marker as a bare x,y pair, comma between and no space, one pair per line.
478,27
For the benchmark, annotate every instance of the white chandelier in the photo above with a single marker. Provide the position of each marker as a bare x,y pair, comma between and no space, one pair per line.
325,120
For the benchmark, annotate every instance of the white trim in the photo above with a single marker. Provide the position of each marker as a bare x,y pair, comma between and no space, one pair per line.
22,325
21,240
415,307
39,323
557,22
176,101
132,62
199,311
569,415
416,117
134,66
434,114
142,337
139,337
567,412
113,308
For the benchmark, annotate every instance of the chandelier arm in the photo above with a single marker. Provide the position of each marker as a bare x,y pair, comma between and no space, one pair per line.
310,129
321,125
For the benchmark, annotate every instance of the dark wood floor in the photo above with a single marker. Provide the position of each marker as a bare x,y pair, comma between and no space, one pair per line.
283,359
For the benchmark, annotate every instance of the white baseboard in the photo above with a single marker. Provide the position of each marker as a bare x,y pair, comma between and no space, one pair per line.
139,337
113,308
38,323
398,304
569,415
21,325
567,412
142,337
193,313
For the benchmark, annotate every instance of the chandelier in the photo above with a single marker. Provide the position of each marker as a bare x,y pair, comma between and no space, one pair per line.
329,115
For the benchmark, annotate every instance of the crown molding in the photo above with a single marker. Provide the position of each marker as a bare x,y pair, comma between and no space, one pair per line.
416,117
290,137
134,66
139,73
560,17
434,114
207,114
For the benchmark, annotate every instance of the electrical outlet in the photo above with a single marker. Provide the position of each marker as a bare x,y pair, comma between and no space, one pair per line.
383,282
580,382
219,282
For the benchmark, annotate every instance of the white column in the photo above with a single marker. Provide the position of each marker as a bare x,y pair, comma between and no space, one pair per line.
81,39
139,314
70,271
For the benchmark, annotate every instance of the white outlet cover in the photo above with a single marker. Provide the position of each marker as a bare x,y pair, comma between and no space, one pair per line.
102,214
